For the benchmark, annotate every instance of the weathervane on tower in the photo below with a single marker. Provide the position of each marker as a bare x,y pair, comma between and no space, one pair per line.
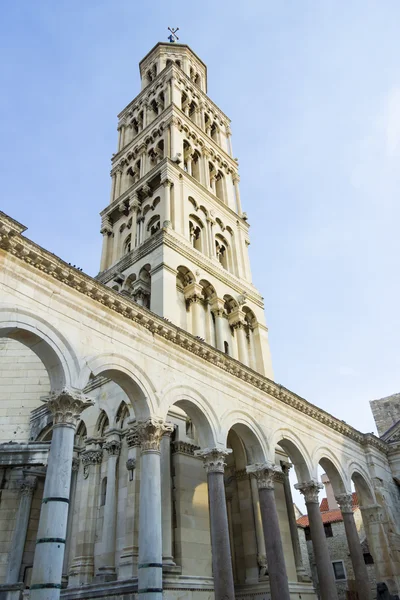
173,37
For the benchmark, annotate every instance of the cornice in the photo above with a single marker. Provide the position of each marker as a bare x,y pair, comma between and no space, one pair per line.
23,249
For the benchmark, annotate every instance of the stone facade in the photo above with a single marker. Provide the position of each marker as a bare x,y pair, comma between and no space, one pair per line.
161,454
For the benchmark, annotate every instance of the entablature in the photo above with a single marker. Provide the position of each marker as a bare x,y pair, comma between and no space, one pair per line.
26,251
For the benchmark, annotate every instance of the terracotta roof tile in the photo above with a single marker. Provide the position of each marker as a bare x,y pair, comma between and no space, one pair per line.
328,516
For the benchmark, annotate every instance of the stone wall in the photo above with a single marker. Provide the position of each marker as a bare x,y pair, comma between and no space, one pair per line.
23,381
386,412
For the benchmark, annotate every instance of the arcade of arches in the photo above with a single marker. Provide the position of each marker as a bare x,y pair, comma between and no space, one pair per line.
145,449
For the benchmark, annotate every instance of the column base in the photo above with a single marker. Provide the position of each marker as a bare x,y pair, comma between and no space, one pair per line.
81,571
168,561
302,576
105,574
128,563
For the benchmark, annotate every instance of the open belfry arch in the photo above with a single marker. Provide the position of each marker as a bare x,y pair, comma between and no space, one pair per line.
157,463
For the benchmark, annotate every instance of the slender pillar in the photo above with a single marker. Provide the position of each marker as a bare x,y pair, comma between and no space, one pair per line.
166,497
217,308
265,473
74,477
237,194
82,566
129,554
150,529
214,463
167,202
298,561
323,562
66,407
133,210
112,192
211,224
27,487
107,571
106,230
345,502
261,551
189,164
118,176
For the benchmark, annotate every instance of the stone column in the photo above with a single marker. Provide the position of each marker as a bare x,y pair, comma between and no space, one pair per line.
265,474
66,407
193,296
107,571
129,554
106,231
189,164
150,530
133,210
72,495
166,498
211,224
113,182
298,561
345,502
214,463
167,202
237,194
323,562
118,175
27,488
217,308
82,566
261,551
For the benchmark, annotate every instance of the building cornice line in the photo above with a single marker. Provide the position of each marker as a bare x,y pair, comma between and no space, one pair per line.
23,249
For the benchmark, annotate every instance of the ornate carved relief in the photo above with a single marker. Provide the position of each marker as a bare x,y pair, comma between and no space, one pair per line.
264,473
67,405
310,490
151,431
214,459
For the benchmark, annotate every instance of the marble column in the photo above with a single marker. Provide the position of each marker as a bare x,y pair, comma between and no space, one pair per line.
237,194
82,566
27,487
66,407
167,202
118,176
113,447
261,551
241,342
265,474
326,578
72,495
150,585
345,502
166,498
298,561
129,554
217,308
214,464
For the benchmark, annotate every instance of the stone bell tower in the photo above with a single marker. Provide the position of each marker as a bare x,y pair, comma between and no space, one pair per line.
175,237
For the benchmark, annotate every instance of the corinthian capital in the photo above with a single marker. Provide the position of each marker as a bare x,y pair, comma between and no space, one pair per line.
264,473
214,459
67,406
310,490
112,447
345,502
151,431
28,485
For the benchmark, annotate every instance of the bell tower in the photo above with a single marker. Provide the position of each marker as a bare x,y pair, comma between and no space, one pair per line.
175,238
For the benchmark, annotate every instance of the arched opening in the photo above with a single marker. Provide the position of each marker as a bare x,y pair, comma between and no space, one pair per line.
221,250
127,244
209,294
103,491
196,162
196,229
184,277
141,287
153,225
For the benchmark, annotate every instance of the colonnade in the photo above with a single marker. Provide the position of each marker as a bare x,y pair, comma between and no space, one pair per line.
152,436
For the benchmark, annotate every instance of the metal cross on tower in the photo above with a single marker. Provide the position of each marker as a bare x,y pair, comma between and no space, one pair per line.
173,37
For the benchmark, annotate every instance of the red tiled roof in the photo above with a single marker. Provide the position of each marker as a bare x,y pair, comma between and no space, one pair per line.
328,516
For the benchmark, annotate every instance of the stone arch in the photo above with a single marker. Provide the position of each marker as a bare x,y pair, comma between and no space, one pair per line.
184,276
199,410
361,480
296,451
123,413
332,467
51,347
102,423
131,378
248,431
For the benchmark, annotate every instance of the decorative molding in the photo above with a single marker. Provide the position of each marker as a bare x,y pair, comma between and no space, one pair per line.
90,457
132,438
264,473
27,485
67,406
75,464
112,447
345,502
27,251
214,458
131,464
150,433
310,490
180,447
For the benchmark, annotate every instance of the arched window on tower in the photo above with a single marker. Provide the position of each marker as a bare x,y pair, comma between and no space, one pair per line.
195,232
221,249
103,492
154,225
128,244
196,165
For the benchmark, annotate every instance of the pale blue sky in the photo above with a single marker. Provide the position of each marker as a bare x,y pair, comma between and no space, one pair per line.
313,91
